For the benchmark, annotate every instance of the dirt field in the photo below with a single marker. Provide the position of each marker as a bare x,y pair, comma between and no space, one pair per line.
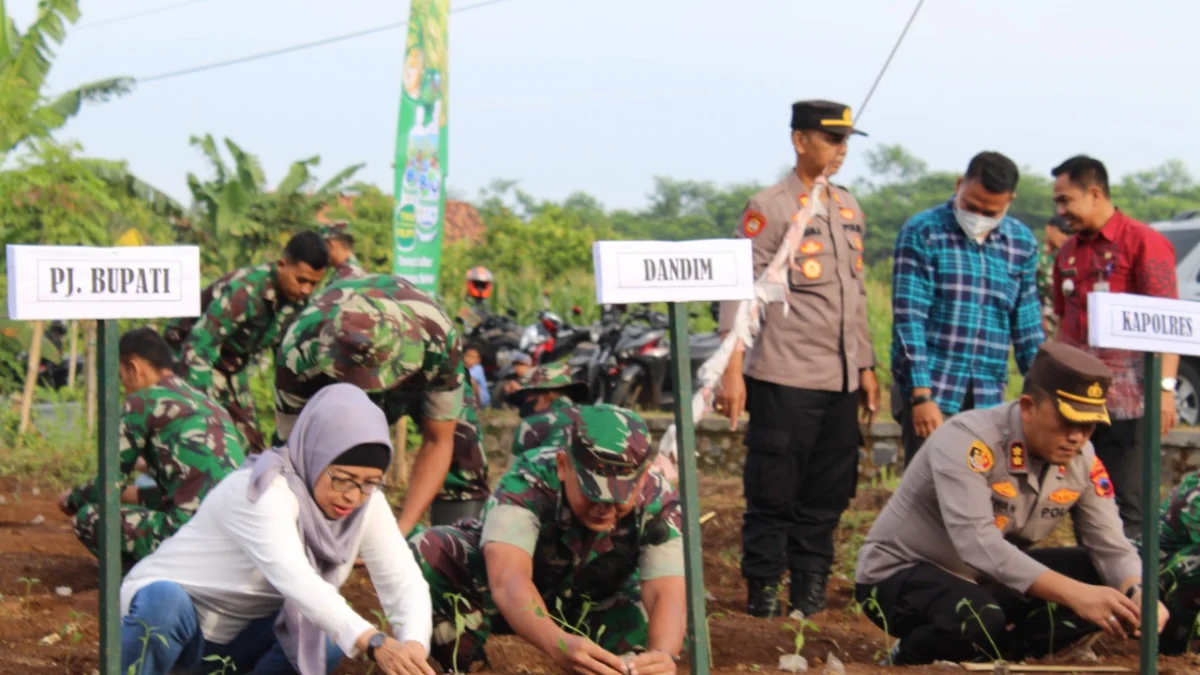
48,551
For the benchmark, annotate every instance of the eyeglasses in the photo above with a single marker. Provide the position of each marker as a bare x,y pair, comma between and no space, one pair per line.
343,485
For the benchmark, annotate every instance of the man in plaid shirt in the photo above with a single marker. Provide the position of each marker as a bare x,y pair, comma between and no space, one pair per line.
963,291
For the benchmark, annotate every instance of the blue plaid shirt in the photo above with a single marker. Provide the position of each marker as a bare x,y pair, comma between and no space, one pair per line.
958,305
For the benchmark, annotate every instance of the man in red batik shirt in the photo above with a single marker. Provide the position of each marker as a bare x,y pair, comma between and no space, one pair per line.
1112,252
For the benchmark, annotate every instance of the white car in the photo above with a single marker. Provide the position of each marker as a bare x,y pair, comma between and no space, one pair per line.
1184,233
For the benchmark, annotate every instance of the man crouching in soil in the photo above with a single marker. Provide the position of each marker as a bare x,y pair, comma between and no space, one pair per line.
579,552
947,566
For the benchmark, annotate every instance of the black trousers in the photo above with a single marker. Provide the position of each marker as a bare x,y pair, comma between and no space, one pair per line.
801,471
1119,446
921,606
908,435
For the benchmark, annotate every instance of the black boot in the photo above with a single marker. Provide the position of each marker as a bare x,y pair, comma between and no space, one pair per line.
762,599
807,594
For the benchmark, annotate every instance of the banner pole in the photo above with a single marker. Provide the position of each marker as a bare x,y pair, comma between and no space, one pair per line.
1151,459
698,640
108,487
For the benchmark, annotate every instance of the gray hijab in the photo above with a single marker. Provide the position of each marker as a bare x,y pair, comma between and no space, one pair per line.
338,418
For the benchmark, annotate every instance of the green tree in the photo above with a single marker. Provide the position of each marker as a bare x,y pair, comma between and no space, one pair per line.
237,219
25,61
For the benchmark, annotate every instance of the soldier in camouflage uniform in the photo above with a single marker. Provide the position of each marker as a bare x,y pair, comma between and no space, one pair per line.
187,442
342,262
244,314
1056,234
547,393
466,486
1179,565
585,534
383,335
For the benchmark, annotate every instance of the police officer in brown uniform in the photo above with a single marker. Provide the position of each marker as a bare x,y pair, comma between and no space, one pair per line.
985,487
807,369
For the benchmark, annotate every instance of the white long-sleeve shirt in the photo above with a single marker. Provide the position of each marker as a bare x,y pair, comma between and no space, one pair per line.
238,560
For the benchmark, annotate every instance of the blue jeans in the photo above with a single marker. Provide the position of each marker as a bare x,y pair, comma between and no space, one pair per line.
165,608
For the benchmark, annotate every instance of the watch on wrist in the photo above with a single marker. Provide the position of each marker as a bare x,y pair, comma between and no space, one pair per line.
1169,384
1133,590
918,400
375,642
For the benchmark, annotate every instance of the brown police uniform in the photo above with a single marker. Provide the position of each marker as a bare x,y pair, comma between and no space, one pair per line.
970,506
802,379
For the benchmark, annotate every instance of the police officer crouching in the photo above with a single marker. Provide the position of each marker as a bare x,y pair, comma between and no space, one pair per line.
986,486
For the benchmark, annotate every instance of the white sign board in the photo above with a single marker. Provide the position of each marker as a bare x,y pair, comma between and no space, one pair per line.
80,282
673,271
1143,324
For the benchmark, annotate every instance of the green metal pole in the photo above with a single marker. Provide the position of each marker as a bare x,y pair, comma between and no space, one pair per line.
1151,459
108,485
685,437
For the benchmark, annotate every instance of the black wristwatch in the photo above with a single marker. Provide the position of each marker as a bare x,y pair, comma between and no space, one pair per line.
1133,590
918,400
375,642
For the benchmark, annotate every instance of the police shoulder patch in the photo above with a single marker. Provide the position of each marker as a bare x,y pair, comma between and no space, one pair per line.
979,457
753,223
1002,522
1100,479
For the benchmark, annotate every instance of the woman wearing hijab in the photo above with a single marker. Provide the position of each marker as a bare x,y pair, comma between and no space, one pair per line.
253,577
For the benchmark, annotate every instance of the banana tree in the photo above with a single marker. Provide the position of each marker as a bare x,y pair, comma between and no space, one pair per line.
25,62
229,207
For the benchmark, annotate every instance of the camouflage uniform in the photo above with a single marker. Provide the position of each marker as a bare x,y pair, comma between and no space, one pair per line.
548,427
380,334
467,479
583,576
1045,289
351,269
242,316
188,443
1179,562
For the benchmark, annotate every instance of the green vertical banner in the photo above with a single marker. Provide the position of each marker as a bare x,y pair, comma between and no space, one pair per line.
421,147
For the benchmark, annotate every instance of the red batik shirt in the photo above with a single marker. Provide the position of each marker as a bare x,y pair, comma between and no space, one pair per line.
1132,258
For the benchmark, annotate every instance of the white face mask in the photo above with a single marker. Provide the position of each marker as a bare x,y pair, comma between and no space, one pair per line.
976,226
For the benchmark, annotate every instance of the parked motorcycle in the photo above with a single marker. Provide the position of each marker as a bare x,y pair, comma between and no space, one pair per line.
643,358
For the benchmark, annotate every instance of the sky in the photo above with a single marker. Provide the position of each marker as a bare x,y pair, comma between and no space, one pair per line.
570,95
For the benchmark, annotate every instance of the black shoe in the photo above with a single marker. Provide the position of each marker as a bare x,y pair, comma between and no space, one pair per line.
762,599
807,594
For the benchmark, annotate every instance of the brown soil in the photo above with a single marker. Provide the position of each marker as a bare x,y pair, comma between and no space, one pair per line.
49,552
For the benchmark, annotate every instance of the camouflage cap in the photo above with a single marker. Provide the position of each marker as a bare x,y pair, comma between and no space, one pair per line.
335,229
364,343
611,450
550,377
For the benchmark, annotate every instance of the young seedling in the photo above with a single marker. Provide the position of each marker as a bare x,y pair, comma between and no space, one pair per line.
978,619
72,632
872,605
29,584
148,631
227,664
708,624
798,633
1052,607
460,623
1195,633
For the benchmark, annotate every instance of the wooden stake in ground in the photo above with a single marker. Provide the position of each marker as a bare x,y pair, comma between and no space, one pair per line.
90,364
31,374
1021,668
398,473
74,328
